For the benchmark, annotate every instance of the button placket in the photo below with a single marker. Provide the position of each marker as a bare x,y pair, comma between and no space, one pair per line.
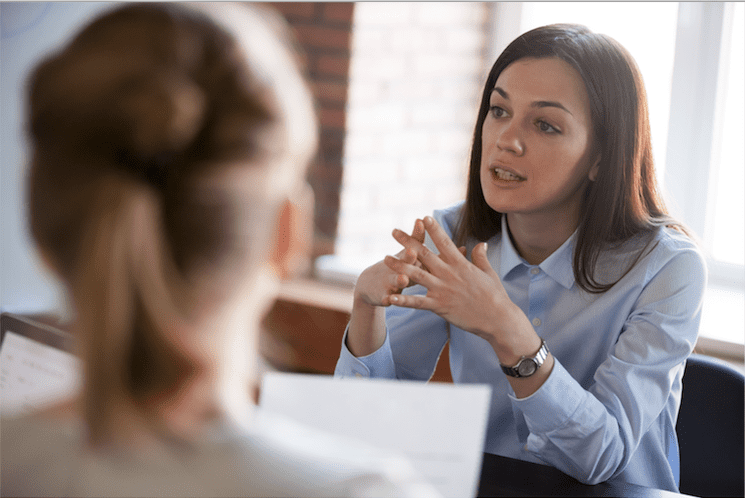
536,296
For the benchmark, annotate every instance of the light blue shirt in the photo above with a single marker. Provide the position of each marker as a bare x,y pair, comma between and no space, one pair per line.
609,407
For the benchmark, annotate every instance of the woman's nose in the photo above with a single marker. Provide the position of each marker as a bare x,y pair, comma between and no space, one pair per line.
510,140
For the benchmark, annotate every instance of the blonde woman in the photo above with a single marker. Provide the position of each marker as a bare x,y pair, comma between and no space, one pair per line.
168,150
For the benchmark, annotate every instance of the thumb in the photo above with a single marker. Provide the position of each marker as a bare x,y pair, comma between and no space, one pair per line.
478,256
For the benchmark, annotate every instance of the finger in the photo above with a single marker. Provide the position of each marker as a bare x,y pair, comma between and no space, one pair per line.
448,250
480,258
462,250
430,261
418,232
414,274
410,301
400,281
409,256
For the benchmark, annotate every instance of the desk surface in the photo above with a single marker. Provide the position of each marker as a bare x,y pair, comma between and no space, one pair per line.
502,476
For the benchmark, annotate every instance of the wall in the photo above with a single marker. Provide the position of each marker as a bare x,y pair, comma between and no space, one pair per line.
415,82
324,31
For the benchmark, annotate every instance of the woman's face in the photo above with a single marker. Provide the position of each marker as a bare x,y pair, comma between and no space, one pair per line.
537,144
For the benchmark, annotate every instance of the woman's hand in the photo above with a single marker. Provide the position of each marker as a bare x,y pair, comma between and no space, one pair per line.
468,295
367,330
373,291
378,281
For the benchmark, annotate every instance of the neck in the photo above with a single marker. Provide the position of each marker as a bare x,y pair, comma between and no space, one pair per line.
537,237
222,386
227,383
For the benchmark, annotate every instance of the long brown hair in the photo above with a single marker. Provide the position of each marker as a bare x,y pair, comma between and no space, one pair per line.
125,124
624,200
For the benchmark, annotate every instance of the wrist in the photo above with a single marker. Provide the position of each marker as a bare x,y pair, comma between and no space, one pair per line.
361,304
367,331
515,338
528,364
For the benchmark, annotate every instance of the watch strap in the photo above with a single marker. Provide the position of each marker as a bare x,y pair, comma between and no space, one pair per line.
536,360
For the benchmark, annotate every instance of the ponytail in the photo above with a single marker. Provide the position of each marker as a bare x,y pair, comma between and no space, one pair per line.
123,281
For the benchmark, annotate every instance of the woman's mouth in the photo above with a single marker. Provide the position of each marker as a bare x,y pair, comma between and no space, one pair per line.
506,176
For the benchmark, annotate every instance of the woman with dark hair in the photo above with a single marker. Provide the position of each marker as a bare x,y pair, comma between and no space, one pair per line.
169,145
582,297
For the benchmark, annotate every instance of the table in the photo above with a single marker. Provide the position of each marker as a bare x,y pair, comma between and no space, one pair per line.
502,476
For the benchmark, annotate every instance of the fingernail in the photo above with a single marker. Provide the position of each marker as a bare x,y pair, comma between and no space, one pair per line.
485,247
393,299
428,220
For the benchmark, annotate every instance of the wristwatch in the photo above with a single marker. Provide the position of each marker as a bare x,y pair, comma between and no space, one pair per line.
527,365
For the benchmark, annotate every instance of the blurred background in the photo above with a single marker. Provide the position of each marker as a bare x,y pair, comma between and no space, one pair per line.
397,87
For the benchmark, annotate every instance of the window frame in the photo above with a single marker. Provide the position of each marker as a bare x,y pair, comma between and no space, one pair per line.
696,107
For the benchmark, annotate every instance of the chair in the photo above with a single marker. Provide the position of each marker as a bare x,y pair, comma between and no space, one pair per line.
710,429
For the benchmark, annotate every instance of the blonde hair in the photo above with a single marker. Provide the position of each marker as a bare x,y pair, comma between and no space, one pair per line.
131,126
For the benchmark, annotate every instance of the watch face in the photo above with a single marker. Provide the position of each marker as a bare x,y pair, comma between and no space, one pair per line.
526,368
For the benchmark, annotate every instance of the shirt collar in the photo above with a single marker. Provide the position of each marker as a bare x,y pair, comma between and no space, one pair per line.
558,265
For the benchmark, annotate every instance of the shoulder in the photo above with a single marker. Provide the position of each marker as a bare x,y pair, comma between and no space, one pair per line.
663,253
673,251
39,447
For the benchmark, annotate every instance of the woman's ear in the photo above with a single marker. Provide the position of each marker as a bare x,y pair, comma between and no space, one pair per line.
593,174
48,263
290,255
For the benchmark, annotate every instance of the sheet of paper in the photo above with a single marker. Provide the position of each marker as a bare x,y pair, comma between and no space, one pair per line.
440,427
33,375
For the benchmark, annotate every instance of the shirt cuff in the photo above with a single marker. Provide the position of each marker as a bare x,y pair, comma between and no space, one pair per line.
378,364
553,404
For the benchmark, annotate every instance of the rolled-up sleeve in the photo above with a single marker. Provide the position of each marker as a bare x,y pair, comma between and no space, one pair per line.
592,434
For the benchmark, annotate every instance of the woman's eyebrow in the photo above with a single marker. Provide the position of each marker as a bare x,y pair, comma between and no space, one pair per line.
539,103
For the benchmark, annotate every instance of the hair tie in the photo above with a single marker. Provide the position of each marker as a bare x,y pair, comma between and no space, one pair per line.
153,170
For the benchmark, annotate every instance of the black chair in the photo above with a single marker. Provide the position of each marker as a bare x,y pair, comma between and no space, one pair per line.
711,429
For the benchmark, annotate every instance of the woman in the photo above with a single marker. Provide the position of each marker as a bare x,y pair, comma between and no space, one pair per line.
582,297
167,143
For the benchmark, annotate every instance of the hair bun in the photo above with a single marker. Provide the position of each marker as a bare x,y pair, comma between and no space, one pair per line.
165,113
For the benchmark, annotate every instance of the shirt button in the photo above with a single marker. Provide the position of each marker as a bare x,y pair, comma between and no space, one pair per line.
536,322
535,270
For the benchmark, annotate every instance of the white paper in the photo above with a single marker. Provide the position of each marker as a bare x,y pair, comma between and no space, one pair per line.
33,375
440,427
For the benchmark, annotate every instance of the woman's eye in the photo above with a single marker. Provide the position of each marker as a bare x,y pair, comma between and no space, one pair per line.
546,128
497,111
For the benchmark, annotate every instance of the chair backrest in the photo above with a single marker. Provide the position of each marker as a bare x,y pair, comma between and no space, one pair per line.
711,429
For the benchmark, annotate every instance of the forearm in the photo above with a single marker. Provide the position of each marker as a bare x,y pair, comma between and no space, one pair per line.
574,431
366,329
512,338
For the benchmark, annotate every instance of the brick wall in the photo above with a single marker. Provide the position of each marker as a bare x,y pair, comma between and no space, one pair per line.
416,74
323,31
397,86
